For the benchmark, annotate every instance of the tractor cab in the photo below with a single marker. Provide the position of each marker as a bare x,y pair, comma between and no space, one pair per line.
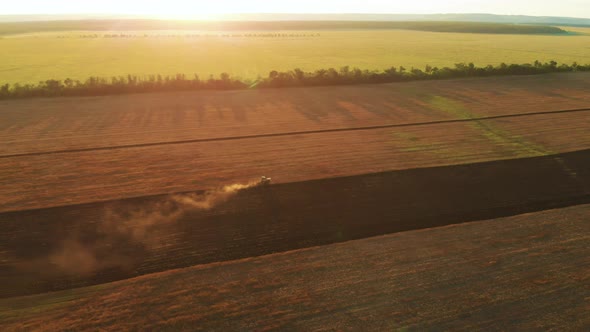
264,181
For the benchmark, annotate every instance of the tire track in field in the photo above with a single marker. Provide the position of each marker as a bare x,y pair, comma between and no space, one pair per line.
291,133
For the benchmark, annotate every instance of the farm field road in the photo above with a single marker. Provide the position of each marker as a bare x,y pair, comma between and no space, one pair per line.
525,272
73,178
40,125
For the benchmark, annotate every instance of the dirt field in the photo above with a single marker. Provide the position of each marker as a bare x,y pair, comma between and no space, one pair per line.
95,243
41,178
72,123
528,272
94,190
82,177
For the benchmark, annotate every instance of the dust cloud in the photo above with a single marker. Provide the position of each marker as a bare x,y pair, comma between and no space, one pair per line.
210,199
73,258
149,227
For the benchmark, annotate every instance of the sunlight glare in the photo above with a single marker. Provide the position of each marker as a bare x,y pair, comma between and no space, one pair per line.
190,10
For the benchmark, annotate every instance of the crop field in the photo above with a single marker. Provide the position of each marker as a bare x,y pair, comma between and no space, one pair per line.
266,26
39,56
131,149
528,272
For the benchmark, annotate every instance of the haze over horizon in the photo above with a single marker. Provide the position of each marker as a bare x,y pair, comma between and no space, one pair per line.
200,9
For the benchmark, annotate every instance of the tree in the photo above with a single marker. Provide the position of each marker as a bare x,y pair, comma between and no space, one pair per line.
5,90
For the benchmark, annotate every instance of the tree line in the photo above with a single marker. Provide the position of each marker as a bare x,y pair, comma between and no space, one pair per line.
273,26
97,86
193,35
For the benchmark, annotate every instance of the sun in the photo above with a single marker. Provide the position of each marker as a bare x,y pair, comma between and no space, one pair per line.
188,10
188,16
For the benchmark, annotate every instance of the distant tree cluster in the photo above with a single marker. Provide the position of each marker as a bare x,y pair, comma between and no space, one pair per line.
279,35
272,27
195,35
95,86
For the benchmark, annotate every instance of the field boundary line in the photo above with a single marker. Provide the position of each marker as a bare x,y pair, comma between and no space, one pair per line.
291,133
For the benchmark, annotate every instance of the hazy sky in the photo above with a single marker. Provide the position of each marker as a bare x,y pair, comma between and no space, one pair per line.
186,8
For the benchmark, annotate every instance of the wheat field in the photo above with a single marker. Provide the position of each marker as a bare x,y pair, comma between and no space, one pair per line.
32,57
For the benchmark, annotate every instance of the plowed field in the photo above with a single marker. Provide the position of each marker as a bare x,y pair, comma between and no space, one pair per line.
528,272
62,151
95,190
80,245
39,125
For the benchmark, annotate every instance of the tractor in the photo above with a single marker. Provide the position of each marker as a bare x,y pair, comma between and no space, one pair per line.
264,181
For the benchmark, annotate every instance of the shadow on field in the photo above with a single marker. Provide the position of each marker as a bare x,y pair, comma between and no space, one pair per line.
71,246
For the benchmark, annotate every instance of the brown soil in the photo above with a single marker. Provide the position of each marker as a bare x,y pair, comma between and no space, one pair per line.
46,180
73,123
528,272
94,243
71,178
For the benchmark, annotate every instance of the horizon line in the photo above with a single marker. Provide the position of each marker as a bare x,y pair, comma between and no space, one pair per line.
287,13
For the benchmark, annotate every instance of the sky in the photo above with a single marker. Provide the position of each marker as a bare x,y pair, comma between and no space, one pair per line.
210,8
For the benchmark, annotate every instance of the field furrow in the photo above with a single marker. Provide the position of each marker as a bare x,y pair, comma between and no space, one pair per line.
68,178
528,272
29,126
79,245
